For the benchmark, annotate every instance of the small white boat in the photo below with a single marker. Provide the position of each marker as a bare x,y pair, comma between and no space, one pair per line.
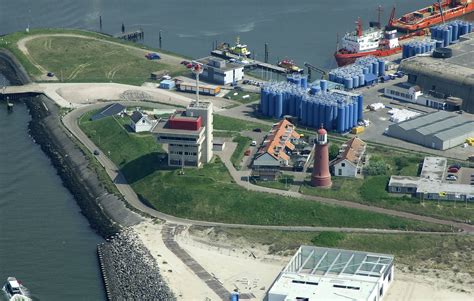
14,289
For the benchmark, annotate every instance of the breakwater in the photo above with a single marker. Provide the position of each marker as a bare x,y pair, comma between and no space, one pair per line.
129,270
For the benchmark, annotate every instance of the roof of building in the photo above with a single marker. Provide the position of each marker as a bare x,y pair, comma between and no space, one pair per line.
404,181
228,66
351,151
109,110
441,124
433,168
331,274
162,128
136,116
278,140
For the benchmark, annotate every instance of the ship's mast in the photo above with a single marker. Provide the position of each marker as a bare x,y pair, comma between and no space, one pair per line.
359,27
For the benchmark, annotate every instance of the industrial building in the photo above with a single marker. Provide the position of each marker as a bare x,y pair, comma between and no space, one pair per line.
333,109
219,71
439,130
431,183
453,76
351,159
188,135
316,273
275,151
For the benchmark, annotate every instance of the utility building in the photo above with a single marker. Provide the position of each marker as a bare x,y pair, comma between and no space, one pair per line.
453,76
332,274
216,70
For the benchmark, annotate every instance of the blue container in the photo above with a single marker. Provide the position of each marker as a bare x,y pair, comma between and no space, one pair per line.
278,105
328,116
234,296
291,105
365,70
381,68
455,35
417,49
351,115
445,37
340,119
355,115
264,102
313,117
361,80
465,29
304,82
360,107
298,105
375,68
348,83
355,81
304,110
347,119
322,113
271,104
324,86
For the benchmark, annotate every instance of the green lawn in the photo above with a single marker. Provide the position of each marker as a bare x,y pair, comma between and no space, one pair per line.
239,96
415,251
237,125
283,182
210,194
73,59
243,143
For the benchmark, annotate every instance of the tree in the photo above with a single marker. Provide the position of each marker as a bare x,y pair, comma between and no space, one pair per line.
333,151
376,168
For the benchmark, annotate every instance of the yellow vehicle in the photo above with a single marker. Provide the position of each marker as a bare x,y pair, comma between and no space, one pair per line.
470,141
357,130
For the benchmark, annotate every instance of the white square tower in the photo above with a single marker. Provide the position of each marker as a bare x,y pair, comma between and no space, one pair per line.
204,109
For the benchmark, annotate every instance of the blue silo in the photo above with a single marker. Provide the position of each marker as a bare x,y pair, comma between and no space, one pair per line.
348,83
322,114
264,102
355,115
351,115
365,70
375,68
361,80
324,86
304,110
315,118
360,107
304,82
328,117
346,118
340,118
439,44
445,37
381,67
355,81
298,105
455,35
271,104
278,105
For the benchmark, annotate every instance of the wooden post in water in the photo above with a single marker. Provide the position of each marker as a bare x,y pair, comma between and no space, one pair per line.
123,28
100,23
159,38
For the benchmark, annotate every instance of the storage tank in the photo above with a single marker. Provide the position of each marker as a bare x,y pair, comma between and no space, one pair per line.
348,83
375,68
360,107
365,70
271,104
445,37
439,44
304,111
234,296
298,106
315,118
322,114
328,117
346,118
291,104
340,119
304,82
381,68
264,102
351,115
278,105
455,35
324,86
355,81
355,115
332,77
361,80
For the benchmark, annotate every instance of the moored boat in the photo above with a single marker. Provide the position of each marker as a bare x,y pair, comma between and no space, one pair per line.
15,290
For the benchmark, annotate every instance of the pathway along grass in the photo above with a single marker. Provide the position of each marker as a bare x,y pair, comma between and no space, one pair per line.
210,194
75,59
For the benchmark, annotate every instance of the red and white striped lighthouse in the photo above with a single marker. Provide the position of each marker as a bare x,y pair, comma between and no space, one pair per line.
321,177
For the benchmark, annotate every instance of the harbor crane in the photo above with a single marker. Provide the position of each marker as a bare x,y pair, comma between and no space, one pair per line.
312,67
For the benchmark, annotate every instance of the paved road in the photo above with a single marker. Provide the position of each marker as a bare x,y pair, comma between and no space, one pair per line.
70,121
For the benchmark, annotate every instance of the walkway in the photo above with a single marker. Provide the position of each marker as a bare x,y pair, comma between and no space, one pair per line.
240,177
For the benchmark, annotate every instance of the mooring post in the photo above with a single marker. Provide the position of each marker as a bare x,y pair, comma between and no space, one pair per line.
159,39
123,28
100,23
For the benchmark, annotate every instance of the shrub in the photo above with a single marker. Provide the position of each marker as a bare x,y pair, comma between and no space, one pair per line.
328,239
376,168
333,151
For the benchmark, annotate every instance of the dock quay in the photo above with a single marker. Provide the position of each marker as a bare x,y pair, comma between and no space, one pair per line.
129,271
134,36
252,62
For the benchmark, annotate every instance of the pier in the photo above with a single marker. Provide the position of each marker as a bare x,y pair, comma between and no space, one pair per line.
252,62
134,36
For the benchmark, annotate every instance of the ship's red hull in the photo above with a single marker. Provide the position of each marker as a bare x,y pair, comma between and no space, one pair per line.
343,59
449,13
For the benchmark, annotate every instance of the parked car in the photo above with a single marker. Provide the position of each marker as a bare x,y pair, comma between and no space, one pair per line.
458,166
247,153
184,63
451,178
254,143
257,130
152,56
96,152
453,170
50,74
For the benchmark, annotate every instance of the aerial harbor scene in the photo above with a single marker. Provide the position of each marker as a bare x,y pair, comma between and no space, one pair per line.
255,150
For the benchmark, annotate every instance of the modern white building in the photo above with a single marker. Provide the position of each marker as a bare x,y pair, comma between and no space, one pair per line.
141,122
188,135
404,92
350,160
316,273
219,71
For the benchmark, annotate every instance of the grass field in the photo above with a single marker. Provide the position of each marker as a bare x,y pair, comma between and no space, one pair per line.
236,125
239,96
414,251
73,59
243,144
283,182
210,194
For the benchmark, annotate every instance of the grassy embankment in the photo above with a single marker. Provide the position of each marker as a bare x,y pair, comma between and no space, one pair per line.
418,252
210,194
76,59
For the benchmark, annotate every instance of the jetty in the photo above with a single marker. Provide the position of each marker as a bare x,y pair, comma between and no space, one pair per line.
252,62
134,36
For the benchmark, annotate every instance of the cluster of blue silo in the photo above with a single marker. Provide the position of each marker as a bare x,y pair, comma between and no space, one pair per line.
414,48
298,79
334,109
354,76
449,33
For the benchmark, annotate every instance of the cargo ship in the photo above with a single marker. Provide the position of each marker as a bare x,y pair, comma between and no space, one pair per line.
432,15
373,41
237,49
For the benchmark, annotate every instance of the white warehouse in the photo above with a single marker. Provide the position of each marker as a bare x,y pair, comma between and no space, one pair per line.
219,71
331,274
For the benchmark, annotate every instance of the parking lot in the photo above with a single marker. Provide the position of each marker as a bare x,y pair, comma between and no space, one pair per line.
465,175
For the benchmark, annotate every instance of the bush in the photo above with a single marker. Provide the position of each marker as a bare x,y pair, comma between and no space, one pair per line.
376,168
328,239
333,151
401,162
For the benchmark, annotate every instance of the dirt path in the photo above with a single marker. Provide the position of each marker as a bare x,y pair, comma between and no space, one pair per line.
22,46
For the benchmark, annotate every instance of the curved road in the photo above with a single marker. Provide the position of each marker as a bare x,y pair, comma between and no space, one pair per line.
70,122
